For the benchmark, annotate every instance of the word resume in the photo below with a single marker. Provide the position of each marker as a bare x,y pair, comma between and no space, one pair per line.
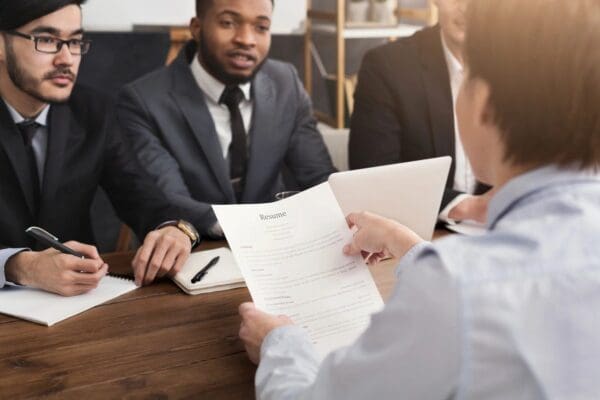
290,253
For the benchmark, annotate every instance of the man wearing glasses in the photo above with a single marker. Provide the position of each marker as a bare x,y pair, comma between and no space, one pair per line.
55,149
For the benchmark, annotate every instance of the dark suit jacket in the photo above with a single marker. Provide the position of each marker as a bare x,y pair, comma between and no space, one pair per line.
165,116
82,153
403,106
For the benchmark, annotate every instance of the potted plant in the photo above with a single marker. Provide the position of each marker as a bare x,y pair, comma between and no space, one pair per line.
358,10
383,11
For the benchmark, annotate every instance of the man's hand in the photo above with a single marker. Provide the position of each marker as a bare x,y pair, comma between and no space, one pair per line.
473,207
53,271
378,237
255,326
163,253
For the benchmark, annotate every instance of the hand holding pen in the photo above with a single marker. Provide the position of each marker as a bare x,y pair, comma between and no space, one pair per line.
62,271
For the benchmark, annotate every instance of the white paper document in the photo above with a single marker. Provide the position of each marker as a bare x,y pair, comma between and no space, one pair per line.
290,253
48,308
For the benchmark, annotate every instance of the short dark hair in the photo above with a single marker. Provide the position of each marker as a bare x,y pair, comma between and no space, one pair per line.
203,5
16,13
541,59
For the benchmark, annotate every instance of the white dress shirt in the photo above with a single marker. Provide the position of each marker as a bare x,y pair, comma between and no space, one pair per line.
512,314
213,89
464,180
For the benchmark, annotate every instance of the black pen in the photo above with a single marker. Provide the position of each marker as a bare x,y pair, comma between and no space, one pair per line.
204,270
49,239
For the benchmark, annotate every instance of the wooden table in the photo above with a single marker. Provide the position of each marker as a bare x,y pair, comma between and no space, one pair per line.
153,343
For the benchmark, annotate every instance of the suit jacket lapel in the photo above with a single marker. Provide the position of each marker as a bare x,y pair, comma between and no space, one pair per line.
60,129
11,140
436,80
192,104
261,131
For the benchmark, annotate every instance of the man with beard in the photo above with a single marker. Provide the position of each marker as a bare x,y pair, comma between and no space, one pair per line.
220,124
404,108
55,149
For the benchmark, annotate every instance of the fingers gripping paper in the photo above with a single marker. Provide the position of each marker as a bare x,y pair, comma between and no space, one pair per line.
290,253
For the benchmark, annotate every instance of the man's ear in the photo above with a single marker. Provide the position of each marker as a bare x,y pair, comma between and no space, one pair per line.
2,48
195,28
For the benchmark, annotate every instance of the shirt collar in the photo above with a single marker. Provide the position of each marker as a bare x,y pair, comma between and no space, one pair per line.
454,66
532,182
41,119
211,86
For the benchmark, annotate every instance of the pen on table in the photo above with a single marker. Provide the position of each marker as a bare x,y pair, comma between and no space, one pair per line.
204,270
49,239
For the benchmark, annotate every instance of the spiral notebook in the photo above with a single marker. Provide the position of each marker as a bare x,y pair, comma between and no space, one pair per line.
48,308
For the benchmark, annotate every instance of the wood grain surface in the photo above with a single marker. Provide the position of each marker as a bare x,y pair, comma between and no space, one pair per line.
153,343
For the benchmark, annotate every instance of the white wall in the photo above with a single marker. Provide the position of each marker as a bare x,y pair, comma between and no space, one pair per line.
121,15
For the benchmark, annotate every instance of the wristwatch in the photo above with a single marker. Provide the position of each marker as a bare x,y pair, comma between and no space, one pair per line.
185,227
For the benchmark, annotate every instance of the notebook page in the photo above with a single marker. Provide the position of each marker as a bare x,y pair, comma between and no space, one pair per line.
48,308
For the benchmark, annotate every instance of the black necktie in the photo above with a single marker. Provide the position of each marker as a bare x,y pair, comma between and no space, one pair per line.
231,97
28,130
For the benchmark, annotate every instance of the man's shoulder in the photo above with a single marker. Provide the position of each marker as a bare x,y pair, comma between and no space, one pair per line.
87,103
158,81
278,70
404,51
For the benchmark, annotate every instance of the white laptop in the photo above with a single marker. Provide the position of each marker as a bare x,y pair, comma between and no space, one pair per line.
410,193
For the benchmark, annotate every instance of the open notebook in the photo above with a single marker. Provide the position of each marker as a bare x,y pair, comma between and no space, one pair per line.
48,308
224,275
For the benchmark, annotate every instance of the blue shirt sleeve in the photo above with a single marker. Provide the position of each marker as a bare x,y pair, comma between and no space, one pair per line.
5,254
417,331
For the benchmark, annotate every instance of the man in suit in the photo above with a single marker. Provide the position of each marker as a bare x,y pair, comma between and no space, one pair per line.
55,149
220,124
404,108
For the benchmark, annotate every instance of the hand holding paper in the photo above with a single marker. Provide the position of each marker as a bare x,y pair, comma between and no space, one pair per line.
377,237
290,253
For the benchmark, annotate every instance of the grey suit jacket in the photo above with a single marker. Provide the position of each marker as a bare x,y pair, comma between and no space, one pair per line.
165,117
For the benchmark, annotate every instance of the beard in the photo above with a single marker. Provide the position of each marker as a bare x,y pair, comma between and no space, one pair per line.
30,84
217,69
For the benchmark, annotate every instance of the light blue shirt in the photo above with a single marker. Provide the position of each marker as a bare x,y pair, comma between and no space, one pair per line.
513,314
39,143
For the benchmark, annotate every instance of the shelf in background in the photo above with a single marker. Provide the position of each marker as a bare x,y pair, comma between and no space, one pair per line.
368,31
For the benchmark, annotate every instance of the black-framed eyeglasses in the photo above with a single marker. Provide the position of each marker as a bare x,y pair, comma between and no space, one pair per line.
52,45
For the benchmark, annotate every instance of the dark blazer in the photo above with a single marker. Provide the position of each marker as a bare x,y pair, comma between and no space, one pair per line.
403,107
165,116
82,153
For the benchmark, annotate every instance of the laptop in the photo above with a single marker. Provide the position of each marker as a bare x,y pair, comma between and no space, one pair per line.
410,192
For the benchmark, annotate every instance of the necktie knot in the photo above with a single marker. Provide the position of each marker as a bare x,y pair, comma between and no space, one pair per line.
232,96
28,129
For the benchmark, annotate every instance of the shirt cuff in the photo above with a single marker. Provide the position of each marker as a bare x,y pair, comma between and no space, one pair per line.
411,255
443,216
5,255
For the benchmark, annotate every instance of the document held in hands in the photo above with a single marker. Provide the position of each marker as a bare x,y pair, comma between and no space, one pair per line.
290,253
